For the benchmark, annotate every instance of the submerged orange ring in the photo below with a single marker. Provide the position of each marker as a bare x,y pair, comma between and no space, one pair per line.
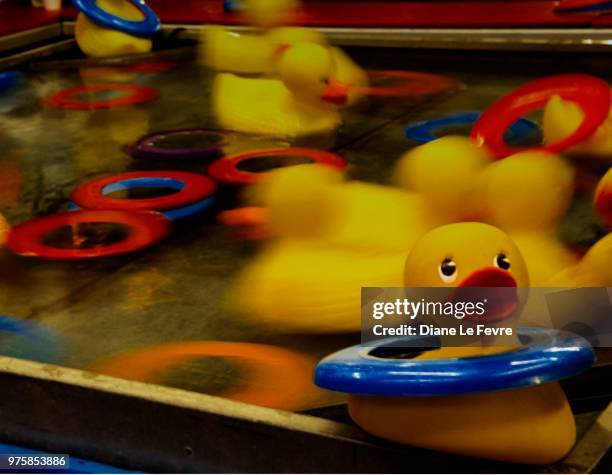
276,377
249,223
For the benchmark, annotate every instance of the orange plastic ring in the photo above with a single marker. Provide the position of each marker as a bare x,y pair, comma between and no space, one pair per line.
276,377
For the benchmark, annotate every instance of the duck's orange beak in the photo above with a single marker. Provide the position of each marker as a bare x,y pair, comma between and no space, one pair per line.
336,93
496,287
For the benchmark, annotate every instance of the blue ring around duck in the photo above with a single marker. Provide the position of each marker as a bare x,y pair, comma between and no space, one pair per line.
550,355
29,340
148,26
425,131
175,214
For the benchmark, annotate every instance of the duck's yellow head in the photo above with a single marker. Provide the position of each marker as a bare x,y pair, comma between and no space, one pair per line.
469,255
447,173
309,72
542,183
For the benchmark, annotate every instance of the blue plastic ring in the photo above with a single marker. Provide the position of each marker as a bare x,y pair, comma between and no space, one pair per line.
149,26
175,214
549,355
425,131
9,79
29,340
188,211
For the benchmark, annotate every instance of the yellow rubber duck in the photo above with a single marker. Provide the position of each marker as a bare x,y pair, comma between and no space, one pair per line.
304,99
561,118
313,202
460,180
438,183
97,41
528,194
310,287
334,237
223,50
531,425
464,255
447,173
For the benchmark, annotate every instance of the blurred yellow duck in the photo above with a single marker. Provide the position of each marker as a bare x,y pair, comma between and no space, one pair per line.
496,425
438,183
97,41
334,237
527,196
561,118
310,286
448,174
224,50
304,99
311,202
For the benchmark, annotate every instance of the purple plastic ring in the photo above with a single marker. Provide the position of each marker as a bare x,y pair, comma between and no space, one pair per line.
149,147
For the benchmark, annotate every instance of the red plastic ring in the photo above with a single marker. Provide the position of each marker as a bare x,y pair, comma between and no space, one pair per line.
135,95
414,83
146,228
90,194
590,93
226,169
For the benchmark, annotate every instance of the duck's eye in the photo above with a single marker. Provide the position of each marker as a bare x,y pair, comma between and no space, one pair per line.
502,261
325,81
448,270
